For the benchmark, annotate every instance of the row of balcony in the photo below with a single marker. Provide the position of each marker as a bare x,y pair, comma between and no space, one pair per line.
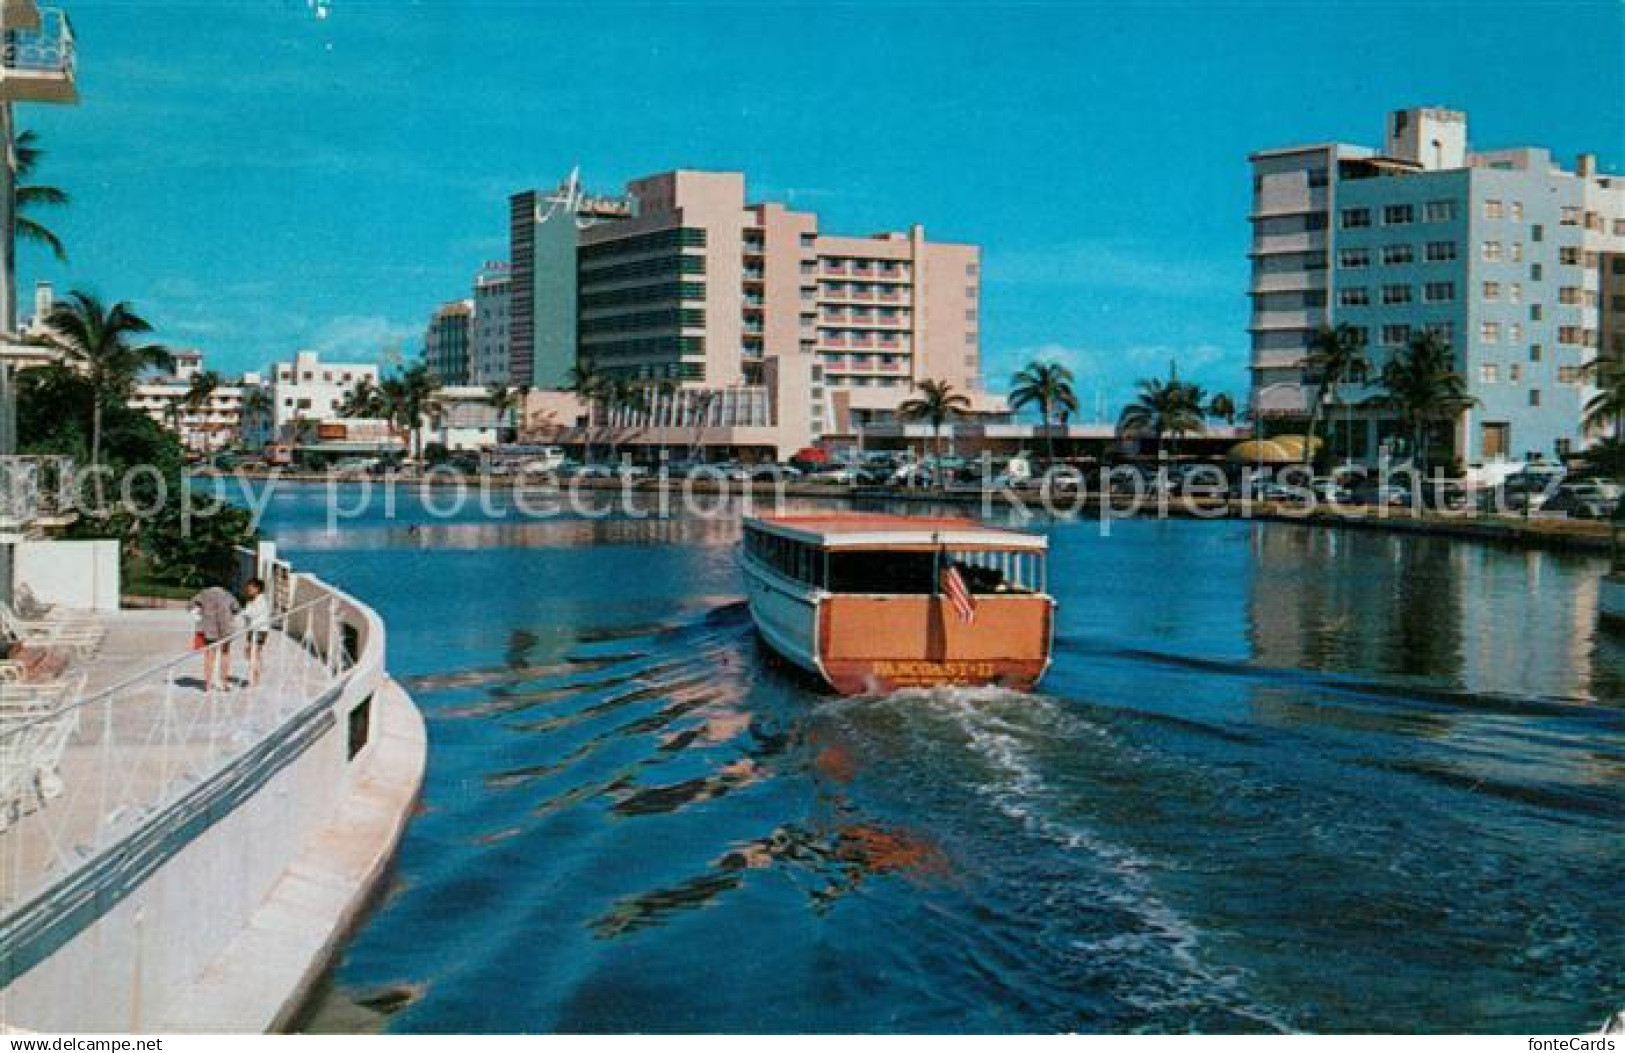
867,320
856,270
895,296
865,340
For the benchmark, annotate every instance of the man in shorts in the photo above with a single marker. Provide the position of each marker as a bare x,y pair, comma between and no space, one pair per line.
216,612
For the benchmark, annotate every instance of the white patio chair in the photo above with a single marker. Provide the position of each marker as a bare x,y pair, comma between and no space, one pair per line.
35,729
80,637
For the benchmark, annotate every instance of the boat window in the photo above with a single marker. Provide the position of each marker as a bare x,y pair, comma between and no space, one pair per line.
918,573
793,559
907,573
994,572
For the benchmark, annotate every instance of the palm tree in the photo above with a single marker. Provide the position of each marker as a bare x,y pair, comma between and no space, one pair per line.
1047,385
1169,408
256,404
27,198
97,341
1223,407
1335,357
588,385
365,399
1607,406
198,393
1421,384
407,398
701,404
503,399
938,403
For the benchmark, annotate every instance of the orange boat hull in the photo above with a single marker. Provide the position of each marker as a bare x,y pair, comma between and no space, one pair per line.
877,644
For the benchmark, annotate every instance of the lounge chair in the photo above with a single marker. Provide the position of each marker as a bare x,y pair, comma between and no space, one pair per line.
80,637
36,724
31,608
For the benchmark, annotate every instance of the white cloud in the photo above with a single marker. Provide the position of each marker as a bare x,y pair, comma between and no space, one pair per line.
363,337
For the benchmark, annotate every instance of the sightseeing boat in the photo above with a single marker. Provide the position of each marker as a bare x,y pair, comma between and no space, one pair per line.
873,603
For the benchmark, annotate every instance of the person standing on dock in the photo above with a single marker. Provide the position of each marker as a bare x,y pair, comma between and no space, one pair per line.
216,611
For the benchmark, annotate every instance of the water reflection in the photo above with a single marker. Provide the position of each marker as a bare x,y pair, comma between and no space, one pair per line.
1261,749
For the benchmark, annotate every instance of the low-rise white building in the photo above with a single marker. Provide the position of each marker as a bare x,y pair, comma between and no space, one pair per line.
204,425
307,389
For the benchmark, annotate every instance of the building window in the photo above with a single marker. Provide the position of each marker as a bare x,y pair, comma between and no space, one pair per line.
1492,251
1515,292
1536,272
1516,214
1492,290
1569,294
1537,232
1398,254
1398,215
1515,372
1534,352
1514,332
1494,210
1439,292
1571,335
1536,312
1352,258
1569,255
1489,373
1489,332
1396,335
1516,254
1440,211
1494,439
1444,332
1440,251
1356,217
1396,294
1568,374
1570,216
1534,396
1318,177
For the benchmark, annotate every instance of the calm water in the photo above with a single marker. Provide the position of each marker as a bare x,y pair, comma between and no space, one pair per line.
1277,779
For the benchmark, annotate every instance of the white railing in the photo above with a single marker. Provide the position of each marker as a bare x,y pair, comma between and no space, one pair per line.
48,49
35,487
82,775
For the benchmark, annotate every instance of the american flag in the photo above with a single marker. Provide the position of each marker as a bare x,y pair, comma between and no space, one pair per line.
953,584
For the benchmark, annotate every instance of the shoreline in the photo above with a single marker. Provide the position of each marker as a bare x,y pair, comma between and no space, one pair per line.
1557,534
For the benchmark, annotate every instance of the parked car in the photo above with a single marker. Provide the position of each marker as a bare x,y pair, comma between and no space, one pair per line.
844,475
913,475
1374,494
351,466
765,473
1580,500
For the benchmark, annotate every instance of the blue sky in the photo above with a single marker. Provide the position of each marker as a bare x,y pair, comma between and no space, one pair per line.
257,179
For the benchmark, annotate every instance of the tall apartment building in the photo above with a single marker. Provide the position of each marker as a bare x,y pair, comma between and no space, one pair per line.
543,235
448,342
691,284
492,348
1503,253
